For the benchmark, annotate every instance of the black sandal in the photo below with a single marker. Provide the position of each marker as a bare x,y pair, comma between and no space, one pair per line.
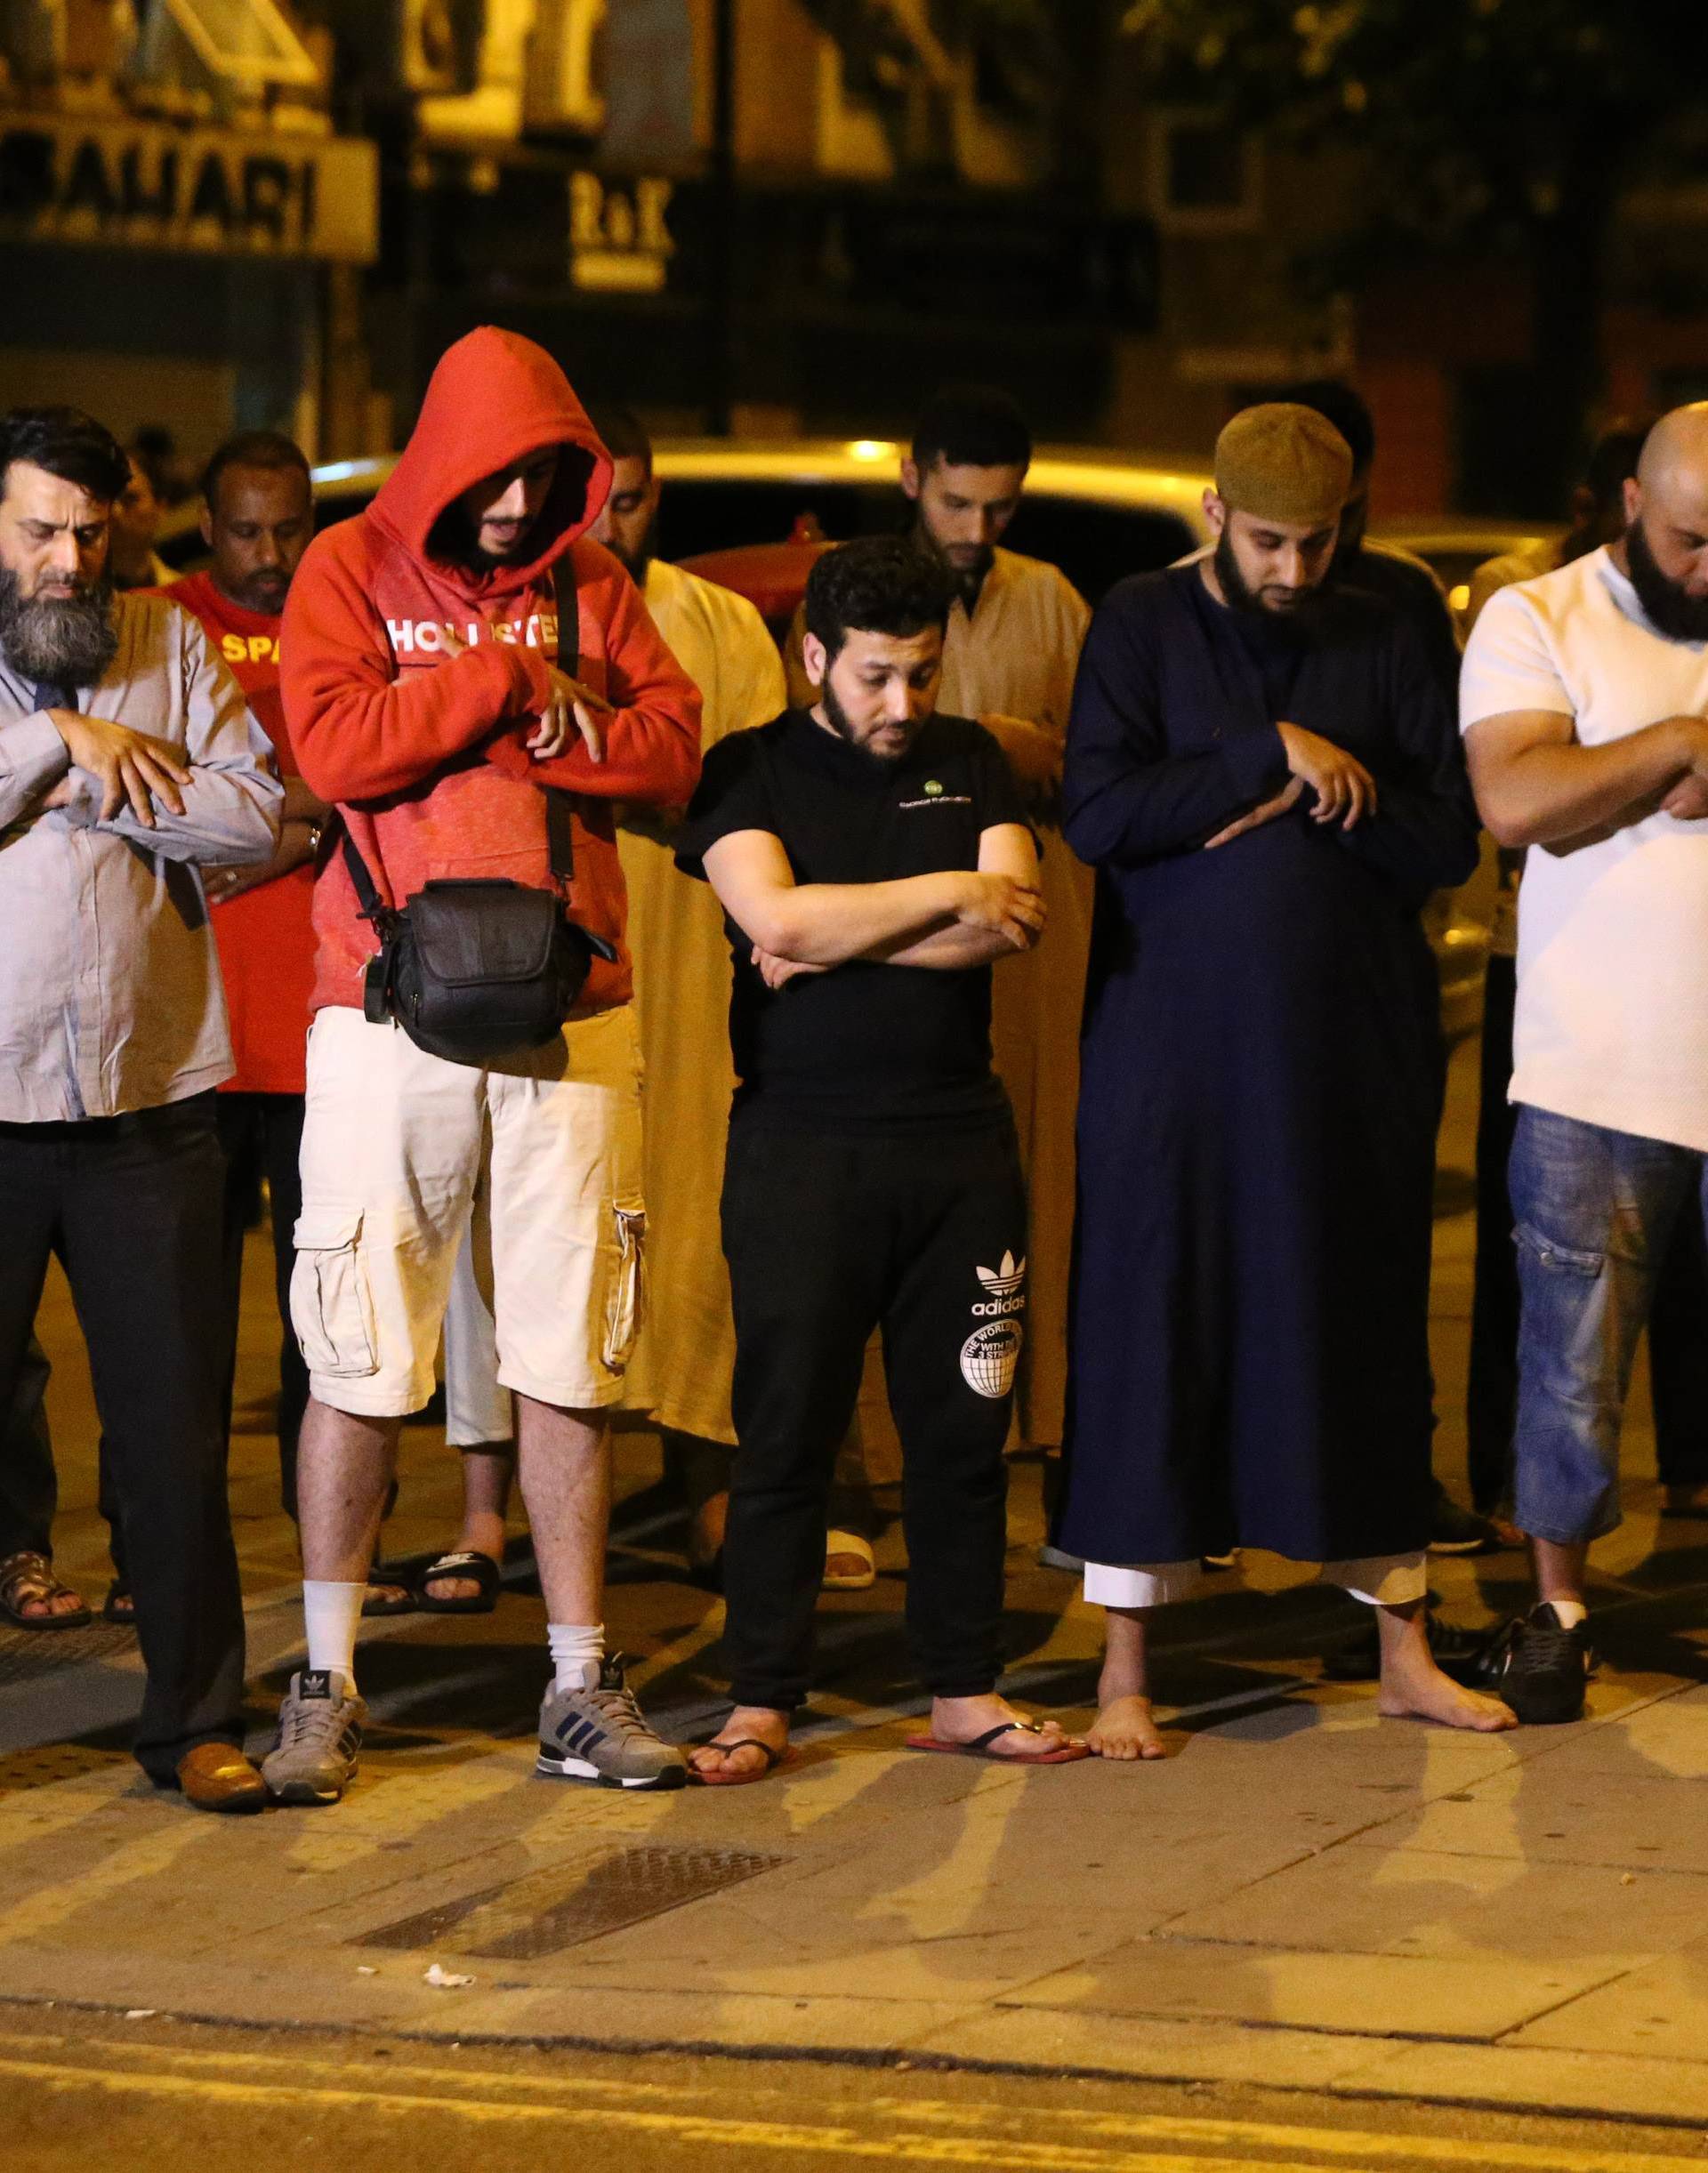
773,1759
402,1599
478,1568
120,1603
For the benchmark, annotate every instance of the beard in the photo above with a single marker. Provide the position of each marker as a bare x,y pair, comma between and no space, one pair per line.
635,563
1668,609
837,718
967,568
58,641
1242,596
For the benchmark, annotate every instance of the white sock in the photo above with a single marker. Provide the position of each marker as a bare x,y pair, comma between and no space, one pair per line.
577,1649
331,1614
1571,1611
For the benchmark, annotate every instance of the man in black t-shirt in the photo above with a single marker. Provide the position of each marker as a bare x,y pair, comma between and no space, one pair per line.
872,861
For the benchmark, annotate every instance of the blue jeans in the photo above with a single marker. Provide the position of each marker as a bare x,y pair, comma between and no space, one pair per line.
1595,1212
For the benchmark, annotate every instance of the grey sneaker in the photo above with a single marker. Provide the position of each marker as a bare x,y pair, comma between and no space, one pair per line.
320,1741
598,1734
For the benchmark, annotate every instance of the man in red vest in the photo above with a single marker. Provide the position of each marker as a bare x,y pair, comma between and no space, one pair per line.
257,516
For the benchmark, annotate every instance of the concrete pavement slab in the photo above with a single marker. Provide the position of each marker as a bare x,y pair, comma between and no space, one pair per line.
1471,1999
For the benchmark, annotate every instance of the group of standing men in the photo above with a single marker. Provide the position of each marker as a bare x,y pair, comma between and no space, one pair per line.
1261,766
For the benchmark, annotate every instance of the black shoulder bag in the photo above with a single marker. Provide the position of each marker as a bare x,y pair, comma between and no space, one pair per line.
476,969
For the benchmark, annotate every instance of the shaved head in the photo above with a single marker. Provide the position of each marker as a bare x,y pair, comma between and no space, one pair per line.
1665,548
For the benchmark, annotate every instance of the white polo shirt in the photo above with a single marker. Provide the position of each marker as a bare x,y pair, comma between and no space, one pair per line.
1612,1024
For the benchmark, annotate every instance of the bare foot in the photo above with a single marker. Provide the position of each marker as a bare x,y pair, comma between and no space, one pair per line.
1125,1730
1410,1692
965,1719
747,1725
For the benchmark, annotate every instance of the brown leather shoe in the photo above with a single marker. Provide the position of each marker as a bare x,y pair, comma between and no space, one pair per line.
216,1777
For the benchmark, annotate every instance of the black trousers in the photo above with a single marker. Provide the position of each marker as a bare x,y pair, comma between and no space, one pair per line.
828,1236
132,1207
29,1490
1678,1326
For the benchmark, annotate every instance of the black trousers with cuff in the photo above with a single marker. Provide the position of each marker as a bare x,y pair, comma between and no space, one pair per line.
132,1207
829,1236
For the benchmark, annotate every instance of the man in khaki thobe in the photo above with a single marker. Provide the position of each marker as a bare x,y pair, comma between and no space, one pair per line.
685,1354
1009,659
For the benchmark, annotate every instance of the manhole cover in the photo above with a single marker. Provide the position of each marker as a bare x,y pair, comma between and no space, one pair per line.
26,1653
546,1911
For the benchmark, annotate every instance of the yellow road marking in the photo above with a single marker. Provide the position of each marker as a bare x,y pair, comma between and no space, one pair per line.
705,2128
1081,2142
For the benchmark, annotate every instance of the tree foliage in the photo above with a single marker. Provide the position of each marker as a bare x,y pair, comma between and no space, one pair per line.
1482,117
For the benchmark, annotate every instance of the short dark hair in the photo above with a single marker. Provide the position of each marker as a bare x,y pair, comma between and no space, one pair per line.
1615,454
68,444
878,584
974,426
1340,405
622,432
253,449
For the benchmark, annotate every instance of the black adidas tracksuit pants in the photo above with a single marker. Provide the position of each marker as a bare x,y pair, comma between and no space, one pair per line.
829,1235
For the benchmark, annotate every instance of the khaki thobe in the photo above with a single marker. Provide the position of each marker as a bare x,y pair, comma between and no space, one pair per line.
1015,655
684,1357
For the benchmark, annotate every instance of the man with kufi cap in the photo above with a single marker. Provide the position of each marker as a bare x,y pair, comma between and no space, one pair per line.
1264,772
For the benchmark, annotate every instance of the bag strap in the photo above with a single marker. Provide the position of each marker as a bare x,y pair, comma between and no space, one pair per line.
560,805
375,910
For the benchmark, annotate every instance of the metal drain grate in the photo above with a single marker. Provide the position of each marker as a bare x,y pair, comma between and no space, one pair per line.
27,1655
546,1911
59,1761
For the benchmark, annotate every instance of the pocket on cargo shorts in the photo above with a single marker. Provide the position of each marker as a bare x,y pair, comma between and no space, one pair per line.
332,1308
626,1308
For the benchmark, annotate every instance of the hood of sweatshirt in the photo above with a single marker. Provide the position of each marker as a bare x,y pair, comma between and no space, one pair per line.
493,400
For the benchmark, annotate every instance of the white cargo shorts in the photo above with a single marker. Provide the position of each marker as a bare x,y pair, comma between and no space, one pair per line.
396,1144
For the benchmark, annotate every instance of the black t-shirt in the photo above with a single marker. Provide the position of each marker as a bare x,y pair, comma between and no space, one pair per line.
865,1046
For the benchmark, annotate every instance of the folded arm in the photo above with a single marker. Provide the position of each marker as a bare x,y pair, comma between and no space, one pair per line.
359,731
649,750
33,760
224,801
1127,799
1006,849
1536,785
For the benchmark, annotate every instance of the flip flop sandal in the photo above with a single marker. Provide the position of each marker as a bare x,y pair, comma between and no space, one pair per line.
26,1576
1069,1754
849,1542
773,1759
120,1603
477,1568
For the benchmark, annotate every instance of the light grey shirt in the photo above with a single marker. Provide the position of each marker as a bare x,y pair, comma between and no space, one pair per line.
109,983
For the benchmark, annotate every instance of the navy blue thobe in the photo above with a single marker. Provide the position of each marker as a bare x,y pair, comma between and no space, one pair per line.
1262,1079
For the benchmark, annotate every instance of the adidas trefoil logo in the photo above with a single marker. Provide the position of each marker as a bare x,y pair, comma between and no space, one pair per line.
1003,1283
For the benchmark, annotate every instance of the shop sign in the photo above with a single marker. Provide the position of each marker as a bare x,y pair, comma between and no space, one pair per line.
116,184
618,240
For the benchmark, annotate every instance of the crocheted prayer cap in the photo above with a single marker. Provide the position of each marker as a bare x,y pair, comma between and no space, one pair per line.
1284,462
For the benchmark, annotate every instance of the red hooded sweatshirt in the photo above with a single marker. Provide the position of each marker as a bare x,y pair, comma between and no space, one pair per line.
423,752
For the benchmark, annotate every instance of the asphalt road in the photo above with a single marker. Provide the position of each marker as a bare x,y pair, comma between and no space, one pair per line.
80,2089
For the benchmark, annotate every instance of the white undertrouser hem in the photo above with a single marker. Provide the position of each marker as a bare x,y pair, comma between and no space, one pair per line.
1379,1580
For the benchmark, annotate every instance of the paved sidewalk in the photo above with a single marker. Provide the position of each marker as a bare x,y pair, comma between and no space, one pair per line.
1305,1896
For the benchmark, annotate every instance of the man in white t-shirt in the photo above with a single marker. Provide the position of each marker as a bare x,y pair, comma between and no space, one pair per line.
1584,703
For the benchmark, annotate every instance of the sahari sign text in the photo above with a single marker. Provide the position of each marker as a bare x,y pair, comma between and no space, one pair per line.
117,184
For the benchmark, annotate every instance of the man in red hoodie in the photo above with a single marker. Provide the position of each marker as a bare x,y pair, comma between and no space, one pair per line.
426,696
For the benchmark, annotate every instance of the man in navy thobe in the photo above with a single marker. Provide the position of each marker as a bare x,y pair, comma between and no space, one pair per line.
1266,775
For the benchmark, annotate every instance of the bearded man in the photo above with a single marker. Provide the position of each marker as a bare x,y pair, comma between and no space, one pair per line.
1263,770
127,762
1585,709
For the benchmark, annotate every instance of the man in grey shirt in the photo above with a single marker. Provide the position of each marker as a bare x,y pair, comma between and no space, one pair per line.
127,763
